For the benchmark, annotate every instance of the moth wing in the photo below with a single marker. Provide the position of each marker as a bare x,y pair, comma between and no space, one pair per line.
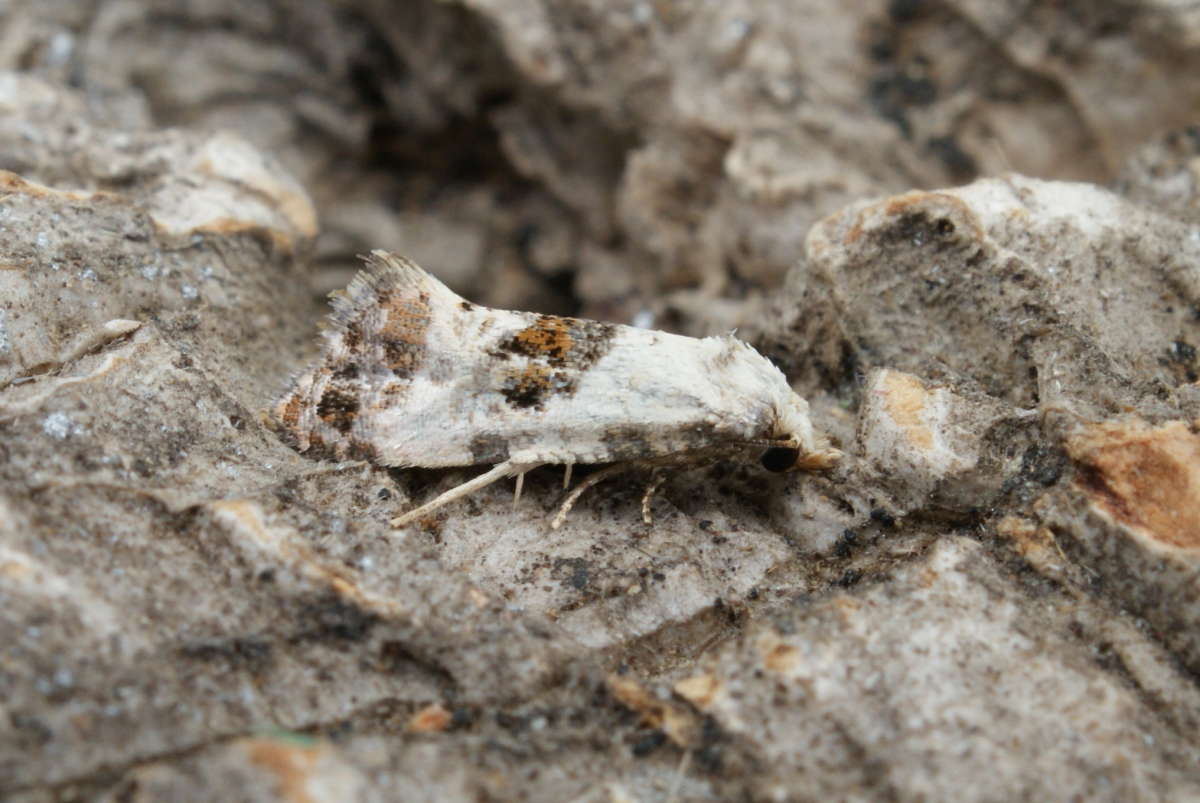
385,278
413,375
374,349
546,389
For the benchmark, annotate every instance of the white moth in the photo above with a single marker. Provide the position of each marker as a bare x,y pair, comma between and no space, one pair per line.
414,375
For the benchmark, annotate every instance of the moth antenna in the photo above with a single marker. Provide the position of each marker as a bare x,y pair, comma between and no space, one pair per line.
498,472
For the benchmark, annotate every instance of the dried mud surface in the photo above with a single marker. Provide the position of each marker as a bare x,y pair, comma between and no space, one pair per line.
968,232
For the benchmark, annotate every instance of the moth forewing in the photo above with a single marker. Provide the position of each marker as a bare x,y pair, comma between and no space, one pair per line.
414,375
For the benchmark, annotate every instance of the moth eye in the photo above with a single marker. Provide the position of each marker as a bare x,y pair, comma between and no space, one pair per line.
779,458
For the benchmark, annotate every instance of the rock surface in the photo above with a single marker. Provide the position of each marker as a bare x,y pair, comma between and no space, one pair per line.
969,233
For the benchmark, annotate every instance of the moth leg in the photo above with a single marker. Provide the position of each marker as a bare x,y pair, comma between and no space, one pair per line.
599,477
656,481
567,476
517,492
498,472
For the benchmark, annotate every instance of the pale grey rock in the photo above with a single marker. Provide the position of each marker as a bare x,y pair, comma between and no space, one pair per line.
951,679
1164,174
1121,70
1057,296
1130,517
743,122
1045,331
931,447
605,579
163,586
256,769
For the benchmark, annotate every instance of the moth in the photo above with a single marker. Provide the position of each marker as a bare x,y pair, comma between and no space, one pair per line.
414,375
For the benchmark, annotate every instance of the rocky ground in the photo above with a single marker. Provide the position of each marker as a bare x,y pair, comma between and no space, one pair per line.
968,232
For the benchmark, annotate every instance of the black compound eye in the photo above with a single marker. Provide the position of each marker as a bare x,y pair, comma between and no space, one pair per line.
779,458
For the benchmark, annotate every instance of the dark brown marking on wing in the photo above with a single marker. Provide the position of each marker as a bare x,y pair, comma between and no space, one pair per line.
345,375
488,449
591,340
528,387
560,341
352,334
285,420
559,350
288,413
317,447
389,391
630,441
340,449
338,407
402,334
357,449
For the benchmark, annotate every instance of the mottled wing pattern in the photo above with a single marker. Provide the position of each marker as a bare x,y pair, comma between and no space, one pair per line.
374,348
546,357
413,374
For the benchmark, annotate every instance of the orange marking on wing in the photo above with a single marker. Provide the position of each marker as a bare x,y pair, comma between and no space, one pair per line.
549,336
403,331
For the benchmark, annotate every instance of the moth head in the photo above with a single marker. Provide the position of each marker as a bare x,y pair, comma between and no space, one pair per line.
793,444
